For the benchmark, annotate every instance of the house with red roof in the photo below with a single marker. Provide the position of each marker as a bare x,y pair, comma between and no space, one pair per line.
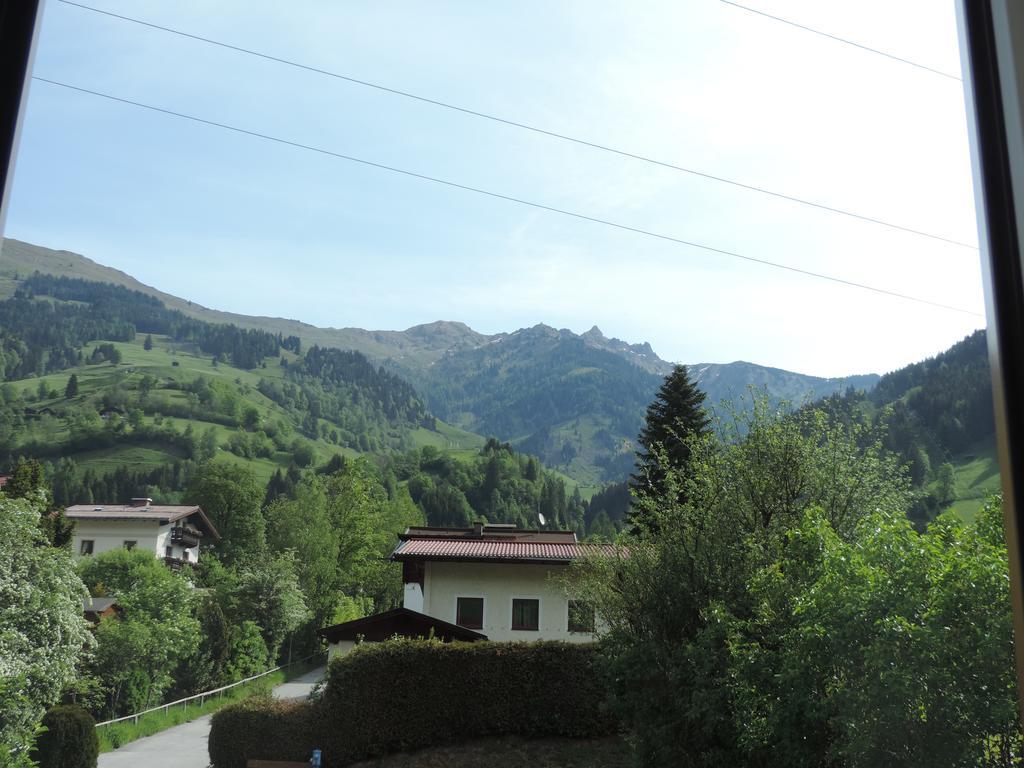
490,581
173,533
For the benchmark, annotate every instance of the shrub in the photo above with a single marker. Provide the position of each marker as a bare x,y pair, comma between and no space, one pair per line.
408,694
69,740
261,728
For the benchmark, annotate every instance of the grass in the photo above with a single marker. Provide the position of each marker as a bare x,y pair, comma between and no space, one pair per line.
513,752
170,362
975,478
117,735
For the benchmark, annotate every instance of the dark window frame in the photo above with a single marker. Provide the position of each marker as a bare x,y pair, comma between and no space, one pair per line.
82,546
520,627
992,52
458,611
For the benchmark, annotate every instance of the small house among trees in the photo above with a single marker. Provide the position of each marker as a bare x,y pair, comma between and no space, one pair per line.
173,533
495,582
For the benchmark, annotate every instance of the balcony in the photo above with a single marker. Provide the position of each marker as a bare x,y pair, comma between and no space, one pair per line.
186,536
176,563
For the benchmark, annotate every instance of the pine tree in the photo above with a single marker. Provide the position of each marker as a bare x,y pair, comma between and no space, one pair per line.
72,388
676,415
148,343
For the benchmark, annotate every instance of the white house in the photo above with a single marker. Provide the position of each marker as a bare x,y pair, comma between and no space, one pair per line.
173,533
495,581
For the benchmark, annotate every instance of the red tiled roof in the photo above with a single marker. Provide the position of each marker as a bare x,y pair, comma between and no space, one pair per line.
437,548
161,514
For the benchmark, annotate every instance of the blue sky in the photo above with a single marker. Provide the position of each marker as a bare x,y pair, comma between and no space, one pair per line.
244,225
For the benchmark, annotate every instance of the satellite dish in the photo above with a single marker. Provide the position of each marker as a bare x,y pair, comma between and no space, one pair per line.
543,522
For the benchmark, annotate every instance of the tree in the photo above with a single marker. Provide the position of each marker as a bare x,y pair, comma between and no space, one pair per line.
71,390
43,633
231,496
148,343
269,592
673,420
673,599
27,480
303,525
894,648
138,650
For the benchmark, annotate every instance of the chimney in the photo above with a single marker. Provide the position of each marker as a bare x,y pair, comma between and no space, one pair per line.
478,529
141,502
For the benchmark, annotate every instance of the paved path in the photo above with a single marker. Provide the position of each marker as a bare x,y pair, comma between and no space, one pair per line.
184,746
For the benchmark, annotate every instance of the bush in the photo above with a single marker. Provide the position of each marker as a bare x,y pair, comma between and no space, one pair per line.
261,728
409,694
69,740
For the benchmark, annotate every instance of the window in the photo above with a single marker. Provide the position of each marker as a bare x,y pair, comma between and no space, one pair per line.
168,551
469,612
581,616
130,545
86,547
525,614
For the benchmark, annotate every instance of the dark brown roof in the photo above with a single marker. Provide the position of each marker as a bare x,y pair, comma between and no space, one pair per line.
400,621
491,543
161,514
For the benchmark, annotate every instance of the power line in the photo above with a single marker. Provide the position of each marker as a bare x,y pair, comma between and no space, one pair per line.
527,127
836,38
508,198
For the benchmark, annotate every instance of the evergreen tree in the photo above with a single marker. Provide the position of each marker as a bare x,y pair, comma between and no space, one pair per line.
71,390
675,417
27,478
148,343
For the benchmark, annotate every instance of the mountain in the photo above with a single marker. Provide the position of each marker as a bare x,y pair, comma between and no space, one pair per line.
83,389
730,381
575,400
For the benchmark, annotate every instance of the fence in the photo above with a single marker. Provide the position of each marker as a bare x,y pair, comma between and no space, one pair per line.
204,695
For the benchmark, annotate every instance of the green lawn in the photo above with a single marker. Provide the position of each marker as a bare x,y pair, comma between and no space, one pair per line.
976,477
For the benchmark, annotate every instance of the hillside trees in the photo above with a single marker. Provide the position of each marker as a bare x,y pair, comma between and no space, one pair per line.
42,632
498,484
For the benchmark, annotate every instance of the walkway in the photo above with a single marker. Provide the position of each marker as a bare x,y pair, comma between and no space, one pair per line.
184,746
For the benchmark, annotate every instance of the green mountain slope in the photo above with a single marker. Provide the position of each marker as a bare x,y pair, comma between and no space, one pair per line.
937,416
82,386
576,400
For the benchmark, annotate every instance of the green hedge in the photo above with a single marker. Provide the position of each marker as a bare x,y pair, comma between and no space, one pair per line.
408,694
261,728
69,740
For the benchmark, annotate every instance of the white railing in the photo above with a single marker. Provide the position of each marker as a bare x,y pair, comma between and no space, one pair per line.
204,695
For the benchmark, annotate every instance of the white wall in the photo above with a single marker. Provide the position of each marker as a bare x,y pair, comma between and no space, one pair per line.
340,648
498,584
112,534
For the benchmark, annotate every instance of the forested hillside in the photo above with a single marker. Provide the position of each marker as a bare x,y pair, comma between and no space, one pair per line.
936,415
124,396
576,400
497,484
552,394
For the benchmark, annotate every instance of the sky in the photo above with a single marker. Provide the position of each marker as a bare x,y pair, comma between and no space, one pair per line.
241,224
